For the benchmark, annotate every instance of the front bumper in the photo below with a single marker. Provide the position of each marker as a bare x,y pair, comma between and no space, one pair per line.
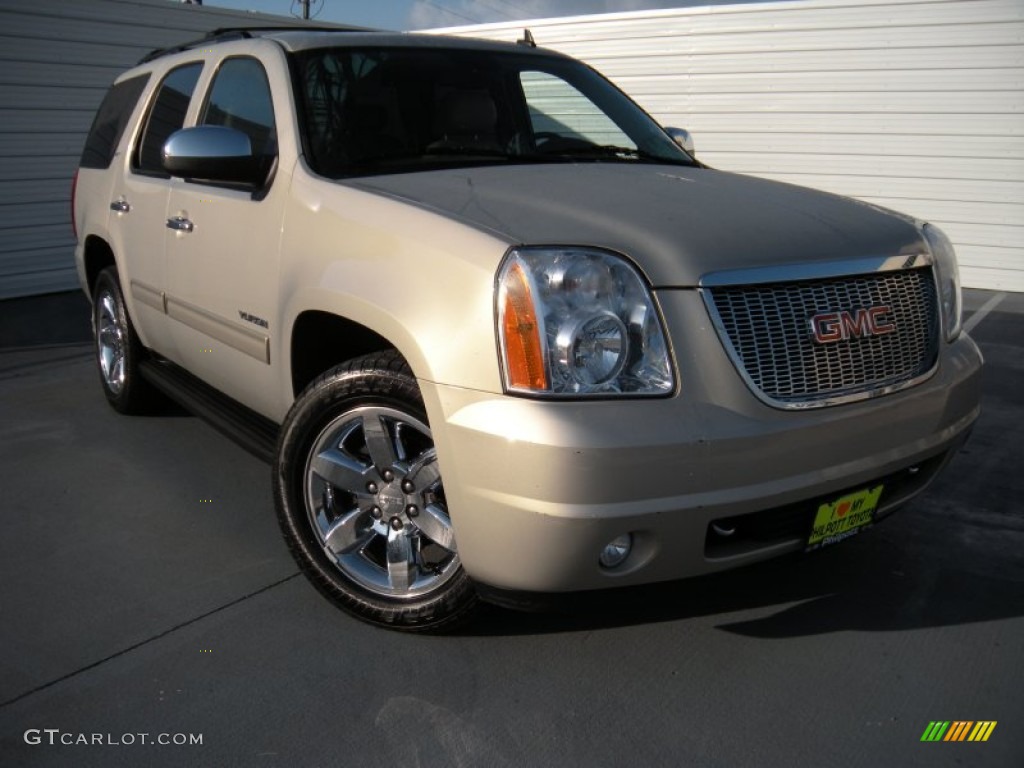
536,489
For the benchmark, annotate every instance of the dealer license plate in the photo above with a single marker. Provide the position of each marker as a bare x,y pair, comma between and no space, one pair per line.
844,517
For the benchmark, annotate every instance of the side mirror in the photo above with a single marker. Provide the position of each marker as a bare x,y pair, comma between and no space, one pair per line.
682,137
214,153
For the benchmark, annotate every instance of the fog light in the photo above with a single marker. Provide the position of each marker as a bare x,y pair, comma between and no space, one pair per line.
616,551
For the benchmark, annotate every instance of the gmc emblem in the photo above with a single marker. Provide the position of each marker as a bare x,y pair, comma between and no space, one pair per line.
830,327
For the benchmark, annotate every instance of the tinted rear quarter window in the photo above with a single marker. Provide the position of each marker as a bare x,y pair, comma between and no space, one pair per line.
110,121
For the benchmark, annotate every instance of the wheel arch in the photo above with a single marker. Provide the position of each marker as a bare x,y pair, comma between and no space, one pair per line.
320,340
97,255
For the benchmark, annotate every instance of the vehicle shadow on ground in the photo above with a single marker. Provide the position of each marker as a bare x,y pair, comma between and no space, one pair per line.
873,583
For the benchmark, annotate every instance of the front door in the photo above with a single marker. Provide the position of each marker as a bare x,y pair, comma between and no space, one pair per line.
222,253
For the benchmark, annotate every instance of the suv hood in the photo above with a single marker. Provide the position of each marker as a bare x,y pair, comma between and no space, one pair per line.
677,223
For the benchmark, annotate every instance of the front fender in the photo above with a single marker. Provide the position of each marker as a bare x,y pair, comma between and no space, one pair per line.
417,278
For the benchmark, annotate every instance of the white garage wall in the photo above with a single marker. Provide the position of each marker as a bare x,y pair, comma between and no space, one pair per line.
57,59
916,105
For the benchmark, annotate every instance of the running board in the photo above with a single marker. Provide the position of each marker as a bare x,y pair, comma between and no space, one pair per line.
253,432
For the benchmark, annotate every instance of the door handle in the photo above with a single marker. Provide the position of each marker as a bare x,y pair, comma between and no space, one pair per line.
120,206
179,224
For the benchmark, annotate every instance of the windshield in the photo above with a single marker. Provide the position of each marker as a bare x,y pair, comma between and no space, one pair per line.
370,111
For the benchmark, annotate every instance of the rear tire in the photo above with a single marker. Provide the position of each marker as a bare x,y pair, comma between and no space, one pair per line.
118,349
360,500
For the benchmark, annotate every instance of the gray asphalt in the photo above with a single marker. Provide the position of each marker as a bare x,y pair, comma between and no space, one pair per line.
144,589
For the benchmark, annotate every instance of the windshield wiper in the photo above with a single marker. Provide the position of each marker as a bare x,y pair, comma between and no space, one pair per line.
602,151
465,150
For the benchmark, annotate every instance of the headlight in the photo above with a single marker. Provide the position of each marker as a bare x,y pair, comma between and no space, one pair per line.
947,274
578,322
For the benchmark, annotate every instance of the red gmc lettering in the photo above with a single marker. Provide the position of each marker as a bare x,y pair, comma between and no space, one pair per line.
827,328
855,325
830,327
880,323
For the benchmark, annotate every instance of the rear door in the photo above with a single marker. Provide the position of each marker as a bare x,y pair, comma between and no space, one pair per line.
139,207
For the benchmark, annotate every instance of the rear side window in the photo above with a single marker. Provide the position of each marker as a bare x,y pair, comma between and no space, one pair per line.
110,121
166,115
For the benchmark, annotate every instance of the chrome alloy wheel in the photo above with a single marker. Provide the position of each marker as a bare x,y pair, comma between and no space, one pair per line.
374,498
110,341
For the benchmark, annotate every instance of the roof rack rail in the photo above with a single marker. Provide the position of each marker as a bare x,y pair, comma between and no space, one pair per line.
222,34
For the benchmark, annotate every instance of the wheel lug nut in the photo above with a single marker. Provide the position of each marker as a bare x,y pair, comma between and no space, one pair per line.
412,510
376,512
371,487
396,524
407,486
388,475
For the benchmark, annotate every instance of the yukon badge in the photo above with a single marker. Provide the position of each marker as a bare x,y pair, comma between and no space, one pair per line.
830,327
253,319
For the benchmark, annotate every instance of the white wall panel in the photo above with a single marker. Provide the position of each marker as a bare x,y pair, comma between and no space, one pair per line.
861,144
57,58
905,193
916,105
752,62
923,81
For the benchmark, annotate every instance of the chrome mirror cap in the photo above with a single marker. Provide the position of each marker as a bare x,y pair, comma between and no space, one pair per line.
214,154
682,137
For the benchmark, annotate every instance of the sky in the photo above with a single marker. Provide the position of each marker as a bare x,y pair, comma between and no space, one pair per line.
426,14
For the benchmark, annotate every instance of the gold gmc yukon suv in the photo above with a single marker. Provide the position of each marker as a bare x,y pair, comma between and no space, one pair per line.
497,331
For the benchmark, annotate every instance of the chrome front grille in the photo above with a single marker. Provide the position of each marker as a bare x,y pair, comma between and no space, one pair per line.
767,329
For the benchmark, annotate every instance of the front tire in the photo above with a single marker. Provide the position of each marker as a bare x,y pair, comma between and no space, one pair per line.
360,499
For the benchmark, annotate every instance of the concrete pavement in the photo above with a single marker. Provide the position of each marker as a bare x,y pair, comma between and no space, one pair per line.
144,589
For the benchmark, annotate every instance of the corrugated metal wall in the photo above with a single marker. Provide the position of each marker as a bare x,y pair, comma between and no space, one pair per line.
57,58
917,105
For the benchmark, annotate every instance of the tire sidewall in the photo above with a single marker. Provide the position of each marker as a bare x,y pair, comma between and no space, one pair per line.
126,400
340,390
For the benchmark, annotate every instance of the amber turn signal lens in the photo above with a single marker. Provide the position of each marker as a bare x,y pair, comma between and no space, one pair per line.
523,353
